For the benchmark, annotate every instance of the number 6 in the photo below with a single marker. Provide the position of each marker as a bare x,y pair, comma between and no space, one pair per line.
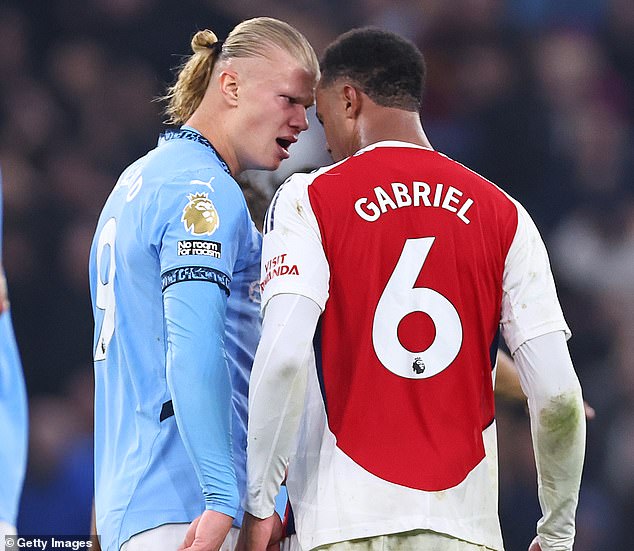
401,298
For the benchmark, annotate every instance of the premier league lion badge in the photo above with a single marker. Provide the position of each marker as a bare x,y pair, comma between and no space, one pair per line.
200,217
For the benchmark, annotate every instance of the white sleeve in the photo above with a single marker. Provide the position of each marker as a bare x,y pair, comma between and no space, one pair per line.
276,396
530,306
293,258
558,431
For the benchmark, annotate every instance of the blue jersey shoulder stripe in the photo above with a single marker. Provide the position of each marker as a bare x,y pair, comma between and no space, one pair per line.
195,273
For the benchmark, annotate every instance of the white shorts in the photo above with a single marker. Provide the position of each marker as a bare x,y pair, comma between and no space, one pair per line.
6,530
290,544
417,540
168,537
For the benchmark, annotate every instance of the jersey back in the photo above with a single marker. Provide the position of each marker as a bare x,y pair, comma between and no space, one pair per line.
416,245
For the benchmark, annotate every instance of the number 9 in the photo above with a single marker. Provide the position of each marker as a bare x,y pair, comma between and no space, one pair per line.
105,299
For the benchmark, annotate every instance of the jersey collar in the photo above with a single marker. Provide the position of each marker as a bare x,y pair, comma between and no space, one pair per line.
391,143
189,133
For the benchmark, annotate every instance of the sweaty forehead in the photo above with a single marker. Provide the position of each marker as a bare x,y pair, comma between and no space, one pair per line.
294,78
281,57
276,64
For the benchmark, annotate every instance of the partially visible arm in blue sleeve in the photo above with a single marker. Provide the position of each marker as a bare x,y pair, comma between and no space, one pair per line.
200,384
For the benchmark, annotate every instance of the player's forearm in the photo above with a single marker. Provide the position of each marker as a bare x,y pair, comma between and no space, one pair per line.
558,429
276,397
200,387
274,416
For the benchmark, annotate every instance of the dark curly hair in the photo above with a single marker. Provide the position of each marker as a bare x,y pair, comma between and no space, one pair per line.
385,66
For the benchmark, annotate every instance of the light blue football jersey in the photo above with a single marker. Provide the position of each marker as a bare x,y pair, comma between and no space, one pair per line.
13,415
175,216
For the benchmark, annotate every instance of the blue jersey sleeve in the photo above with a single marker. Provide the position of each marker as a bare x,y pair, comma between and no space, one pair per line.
200,386
200,235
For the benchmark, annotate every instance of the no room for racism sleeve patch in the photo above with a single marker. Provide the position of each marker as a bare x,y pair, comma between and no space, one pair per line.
191,247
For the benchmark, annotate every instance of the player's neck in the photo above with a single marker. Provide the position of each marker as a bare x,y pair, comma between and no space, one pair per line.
212,126
392,124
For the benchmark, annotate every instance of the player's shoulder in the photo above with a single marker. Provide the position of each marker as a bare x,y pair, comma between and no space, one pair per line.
295,187
165,182
291,197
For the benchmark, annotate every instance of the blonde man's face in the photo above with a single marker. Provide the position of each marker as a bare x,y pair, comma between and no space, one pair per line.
273,94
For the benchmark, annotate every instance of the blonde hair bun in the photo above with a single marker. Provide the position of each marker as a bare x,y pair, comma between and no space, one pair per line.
203,40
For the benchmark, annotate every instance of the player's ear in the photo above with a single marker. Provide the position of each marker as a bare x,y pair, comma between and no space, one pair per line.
229,86
352,98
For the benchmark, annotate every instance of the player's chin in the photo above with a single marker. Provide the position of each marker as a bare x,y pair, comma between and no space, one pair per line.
270,165
270,160
274,162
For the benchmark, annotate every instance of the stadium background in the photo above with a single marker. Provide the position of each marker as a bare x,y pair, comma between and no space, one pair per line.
537,96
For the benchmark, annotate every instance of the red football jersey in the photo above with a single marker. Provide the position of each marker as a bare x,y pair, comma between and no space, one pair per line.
416,246
416,262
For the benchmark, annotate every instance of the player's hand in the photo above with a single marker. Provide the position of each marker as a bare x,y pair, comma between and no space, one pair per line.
535,546
259,534
207,532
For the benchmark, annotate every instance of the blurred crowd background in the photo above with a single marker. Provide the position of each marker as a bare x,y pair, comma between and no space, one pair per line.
537,96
